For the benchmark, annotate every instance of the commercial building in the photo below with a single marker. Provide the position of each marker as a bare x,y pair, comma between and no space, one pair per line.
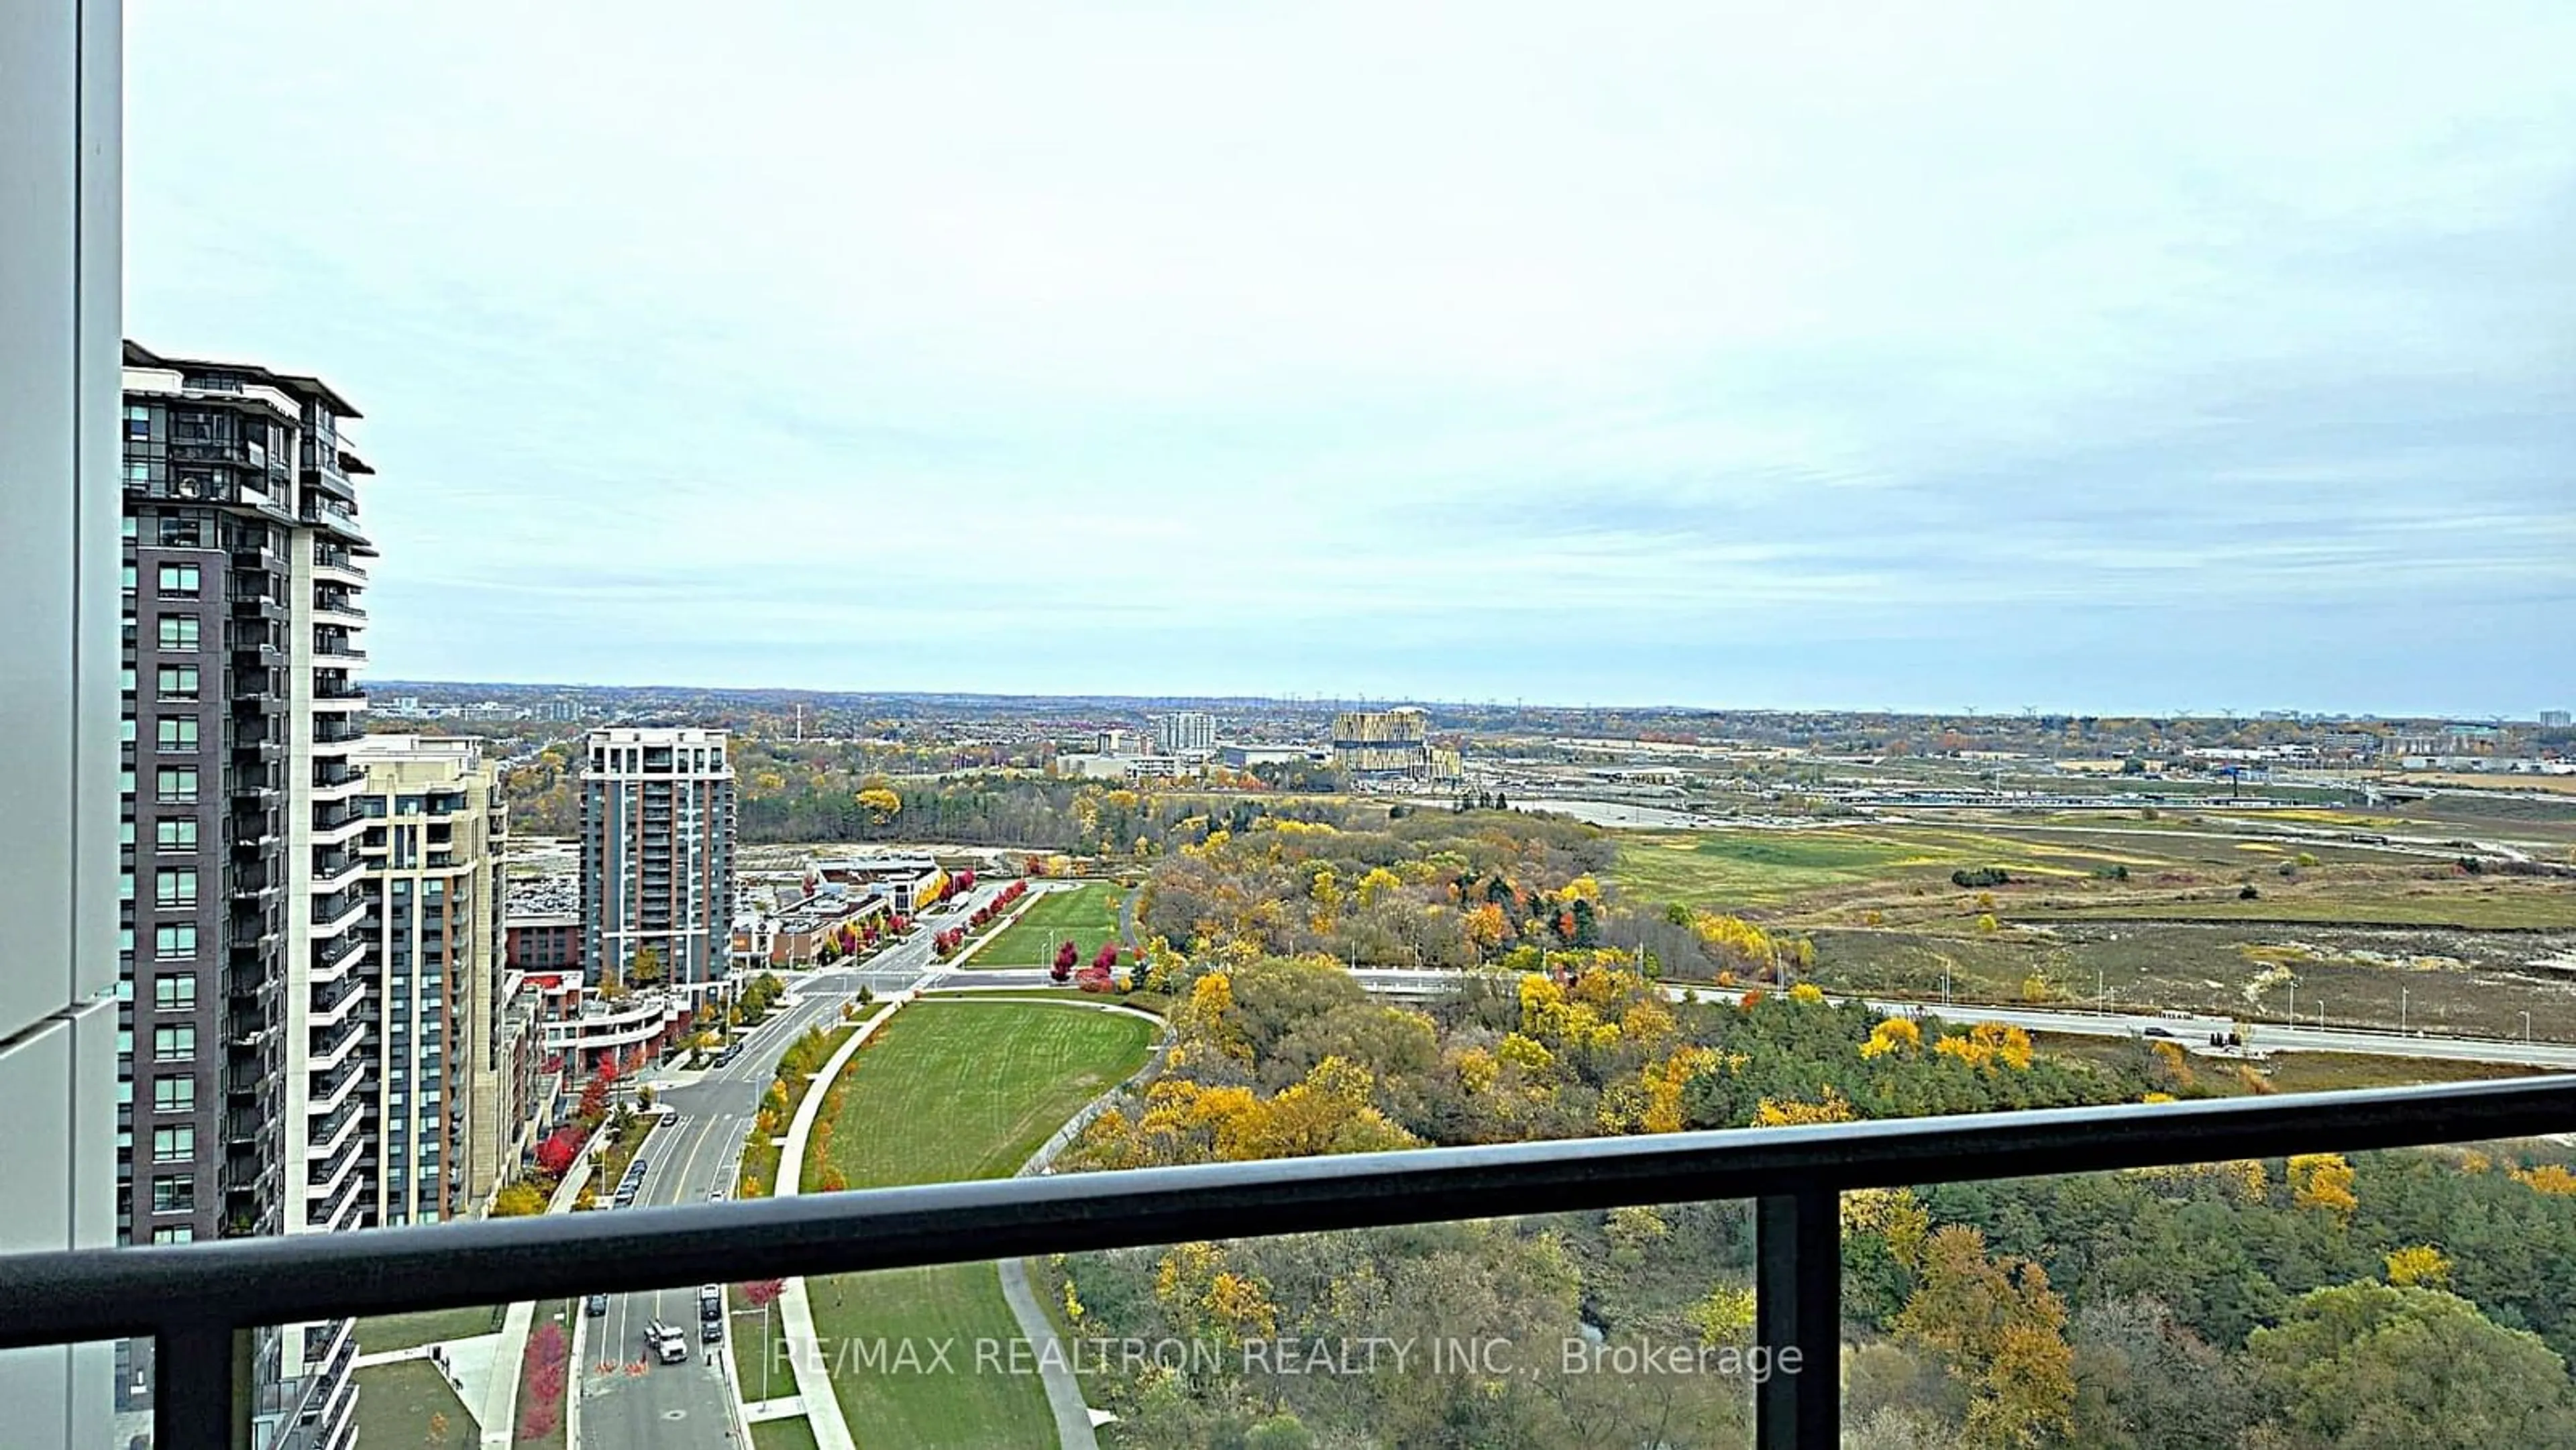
436,831
1382,742
908,883
244,1048
657,840
1244,757
2554,719
1185,732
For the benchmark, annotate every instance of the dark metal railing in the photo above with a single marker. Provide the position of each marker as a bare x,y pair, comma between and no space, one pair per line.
199,1301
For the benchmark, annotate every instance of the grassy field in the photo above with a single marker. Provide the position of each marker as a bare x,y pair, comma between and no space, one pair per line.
410,1331
2149,911
1088,913
396,1401
2290,1072
749,1334
758,1173
2535,906
1154,1002
956,1090
796,1433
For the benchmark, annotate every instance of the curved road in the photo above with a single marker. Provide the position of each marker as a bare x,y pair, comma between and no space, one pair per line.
638,1401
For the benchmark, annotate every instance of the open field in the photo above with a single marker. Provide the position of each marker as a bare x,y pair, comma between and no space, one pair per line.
2500,907
2150,912
951,1090
793,1433
396,1403
2477,983
388,1332
1154,1002
2292,1072
1088,914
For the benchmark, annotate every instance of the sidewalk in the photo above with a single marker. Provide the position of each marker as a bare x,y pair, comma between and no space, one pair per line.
796,1311
499,1412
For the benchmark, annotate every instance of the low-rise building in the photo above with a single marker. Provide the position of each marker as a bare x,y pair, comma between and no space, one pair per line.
908,883
542,942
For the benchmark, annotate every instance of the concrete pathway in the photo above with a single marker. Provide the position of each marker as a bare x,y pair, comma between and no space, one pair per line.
795,1310
1074,1420
994,929
786,1408
497,1408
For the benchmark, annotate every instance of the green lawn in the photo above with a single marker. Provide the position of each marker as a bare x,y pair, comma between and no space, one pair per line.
956,1090
1088,913
789,1434
750,1334
395,1405
757,1176
389,1332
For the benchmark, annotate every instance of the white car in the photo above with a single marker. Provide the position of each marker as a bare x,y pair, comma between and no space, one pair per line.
668,1344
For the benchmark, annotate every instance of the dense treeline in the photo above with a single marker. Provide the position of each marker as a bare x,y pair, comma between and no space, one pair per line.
1429,888
2404,1298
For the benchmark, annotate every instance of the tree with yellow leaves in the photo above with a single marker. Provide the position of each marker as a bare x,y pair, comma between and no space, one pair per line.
1988,1045
881,804
2421,1266
2549,1178
2322,1181
1792,1113
2002,1331
1895,1036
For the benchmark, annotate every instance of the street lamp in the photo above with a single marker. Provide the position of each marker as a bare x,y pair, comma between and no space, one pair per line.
2401,1011
2526,1029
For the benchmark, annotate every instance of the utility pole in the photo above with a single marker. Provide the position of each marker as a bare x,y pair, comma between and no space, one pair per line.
2401,1011
2294,1001
2526,1029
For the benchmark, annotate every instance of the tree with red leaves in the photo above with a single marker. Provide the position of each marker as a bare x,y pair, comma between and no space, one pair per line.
965,881
1105,958
557,1152
1067,954
594,1093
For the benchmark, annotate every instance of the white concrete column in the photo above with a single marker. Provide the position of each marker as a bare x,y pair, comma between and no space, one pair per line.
60,346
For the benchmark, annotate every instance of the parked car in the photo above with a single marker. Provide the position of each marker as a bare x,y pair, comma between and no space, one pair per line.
711,1303
712,1331
595,1305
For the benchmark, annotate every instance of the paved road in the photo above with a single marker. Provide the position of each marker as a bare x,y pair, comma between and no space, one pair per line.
697,1151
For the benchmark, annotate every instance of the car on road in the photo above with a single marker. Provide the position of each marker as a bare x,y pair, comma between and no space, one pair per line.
668,1344
716,1194
712,1332
595,1305
711,1304
2158,1032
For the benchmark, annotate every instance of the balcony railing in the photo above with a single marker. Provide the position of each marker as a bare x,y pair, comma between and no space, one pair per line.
195,1300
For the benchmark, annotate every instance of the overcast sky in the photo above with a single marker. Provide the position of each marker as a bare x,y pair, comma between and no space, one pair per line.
2105,358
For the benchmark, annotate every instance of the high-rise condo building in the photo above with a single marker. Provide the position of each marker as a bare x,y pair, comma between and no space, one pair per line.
244,1050
1382,742
444,1121
1185,732
657,826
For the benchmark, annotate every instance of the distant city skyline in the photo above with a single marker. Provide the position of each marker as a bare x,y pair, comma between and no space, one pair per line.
1751,355
398,691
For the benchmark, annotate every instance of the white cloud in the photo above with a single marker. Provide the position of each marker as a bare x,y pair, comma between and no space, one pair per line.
1270,333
